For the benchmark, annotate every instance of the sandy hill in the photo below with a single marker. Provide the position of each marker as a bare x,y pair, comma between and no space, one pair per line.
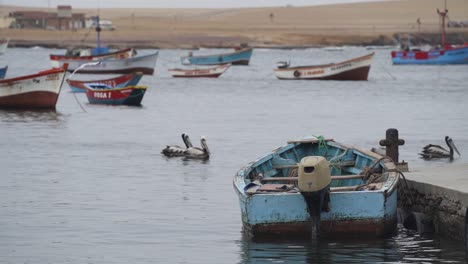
276,26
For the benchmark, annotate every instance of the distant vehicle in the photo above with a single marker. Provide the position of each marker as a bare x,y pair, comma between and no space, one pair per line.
106,25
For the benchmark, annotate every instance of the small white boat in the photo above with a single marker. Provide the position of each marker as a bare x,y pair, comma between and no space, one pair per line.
213,72
356,69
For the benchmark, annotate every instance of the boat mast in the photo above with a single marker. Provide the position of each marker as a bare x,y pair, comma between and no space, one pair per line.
98,28
443,15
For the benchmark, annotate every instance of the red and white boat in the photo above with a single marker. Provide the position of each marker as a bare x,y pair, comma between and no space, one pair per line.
213,72
130,79
40,90
59,60
356,69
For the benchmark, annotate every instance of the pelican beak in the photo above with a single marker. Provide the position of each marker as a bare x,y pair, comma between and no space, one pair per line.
455,148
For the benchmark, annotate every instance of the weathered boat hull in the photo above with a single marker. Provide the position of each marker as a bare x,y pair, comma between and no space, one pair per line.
291,218
351,70
353,212
239,57
434,57
132,96
144,64
35,91
58,60
132,79
199,73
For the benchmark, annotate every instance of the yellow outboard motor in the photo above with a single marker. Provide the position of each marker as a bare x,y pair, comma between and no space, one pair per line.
313,182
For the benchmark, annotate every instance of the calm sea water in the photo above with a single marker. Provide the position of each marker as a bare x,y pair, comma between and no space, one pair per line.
92,187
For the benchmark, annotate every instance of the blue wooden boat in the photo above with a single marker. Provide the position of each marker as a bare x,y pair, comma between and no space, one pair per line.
3,72
359,198
238,57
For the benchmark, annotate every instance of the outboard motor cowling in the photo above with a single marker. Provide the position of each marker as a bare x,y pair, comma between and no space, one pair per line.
314,182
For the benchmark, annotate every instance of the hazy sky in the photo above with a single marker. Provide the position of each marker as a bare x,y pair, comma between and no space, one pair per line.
171,3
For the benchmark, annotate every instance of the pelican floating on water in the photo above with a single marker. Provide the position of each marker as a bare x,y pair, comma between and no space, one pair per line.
198,153
175,151
438,152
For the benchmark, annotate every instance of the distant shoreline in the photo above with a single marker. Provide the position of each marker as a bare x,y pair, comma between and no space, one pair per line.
379,41
358,24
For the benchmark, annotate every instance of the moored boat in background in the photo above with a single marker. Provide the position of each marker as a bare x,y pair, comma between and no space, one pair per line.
356,69
3,72
214,72
104,94
131,79
143,63
58,60
240,56
445,54
357,197
39,90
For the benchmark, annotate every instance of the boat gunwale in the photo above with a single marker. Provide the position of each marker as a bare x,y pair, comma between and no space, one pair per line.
43,73
388,167
57,57
329,65
133,87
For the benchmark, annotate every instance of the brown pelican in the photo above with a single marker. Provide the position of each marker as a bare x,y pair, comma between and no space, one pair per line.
198,153
438,152
175,151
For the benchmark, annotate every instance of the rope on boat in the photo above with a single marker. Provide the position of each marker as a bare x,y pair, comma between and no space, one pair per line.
322,143
336,164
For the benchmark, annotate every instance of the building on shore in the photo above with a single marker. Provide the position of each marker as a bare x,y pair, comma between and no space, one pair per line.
63,19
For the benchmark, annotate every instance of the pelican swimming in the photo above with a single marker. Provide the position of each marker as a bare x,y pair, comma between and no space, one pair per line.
438,152
174,150
198,153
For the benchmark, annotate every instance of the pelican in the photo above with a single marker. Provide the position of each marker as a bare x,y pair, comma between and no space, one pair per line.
438,152
175,151
198,153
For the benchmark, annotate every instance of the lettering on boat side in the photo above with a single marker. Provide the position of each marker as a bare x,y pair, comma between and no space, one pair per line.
314,72
52,77
111,83
341,66
103,95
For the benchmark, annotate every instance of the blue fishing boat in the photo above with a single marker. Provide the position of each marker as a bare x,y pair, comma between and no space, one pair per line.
3,72
445,54
318,186
238,57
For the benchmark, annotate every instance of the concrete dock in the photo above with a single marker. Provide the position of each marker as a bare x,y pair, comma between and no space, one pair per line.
441,194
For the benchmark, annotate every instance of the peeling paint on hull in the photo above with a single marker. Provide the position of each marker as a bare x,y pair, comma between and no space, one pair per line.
352,228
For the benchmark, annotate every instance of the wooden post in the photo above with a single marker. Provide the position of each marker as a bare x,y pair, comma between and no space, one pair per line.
391,143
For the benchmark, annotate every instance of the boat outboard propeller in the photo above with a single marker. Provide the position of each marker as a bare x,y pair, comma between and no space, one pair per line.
314,182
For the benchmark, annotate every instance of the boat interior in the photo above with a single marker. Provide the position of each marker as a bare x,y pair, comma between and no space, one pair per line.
351,169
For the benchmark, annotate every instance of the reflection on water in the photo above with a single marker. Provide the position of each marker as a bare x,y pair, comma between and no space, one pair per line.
26,116
93,187
406,247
